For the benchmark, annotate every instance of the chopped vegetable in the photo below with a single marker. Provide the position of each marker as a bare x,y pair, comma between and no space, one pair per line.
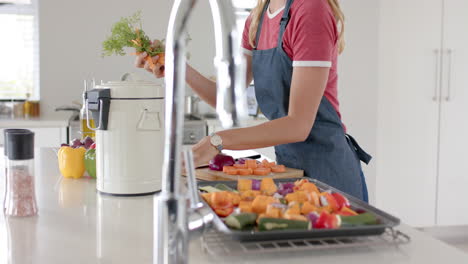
346,211
341,200
209,189
245,172
252,164
240,221
240,166
298,196
245,206
219,161
260,203
268,186
327,221
268,224
262,171
226,168
313,217
224,211
244,185
326,199
278,168
224,187
256,185
361,219
307,208
221,199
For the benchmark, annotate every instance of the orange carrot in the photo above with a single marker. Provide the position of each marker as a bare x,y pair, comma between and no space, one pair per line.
240,166
278,168
245,172
162,58
261,171
251,164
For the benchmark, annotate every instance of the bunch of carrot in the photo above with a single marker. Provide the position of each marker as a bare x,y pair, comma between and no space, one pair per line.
128,33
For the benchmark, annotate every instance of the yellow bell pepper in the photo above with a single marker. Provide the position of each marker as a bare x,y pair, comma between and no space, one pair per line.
71,162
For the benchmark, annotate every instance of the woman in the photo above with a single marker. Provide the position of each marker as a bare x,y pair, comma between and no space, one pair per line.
291,48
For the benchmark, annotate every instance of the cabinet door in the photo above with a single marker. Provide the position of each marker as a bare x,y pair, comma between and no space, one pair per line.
408,116
49,137
452,206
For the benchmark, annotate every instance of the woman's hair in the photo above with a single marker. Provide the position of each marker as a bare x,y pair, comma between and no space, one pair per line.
334,5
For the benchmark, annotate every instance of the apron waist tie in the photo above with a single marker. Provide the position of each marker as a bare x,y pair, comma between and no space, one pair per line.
362,155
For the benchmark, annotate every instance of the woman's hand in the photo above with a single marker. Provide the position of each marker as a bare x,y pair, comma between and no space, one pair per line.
203,152
141,61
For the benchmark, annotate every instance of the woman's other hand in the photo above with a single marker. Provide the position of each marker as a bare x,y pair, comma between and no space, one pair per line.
203,152
151,64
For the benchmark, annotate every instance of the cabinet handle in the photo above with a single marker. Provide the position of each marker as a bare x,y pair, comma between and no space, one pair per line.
437,74
449,81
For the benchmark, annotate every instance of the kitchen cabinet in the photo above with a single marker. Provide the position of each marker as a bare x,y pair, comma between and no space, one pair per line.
453,162
422,100
50,137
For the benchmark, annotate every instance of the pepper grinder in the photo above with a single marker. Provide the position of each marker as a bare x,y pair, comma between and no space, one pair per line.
20,198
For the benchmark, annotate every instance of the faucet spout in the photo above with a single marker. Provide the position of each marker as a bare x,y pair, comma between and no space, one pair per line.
172,220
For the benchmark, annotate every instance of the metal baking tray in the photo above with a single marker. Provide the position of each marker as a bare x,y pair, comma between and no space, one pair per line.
385,220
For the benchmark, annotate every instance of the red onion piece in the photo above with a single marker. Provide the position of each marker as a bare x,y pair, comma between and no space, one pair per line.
219,161
255,185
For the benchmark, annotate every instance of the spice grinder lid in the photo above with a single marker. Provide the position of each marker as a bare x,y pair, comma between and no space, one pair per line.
10,130
20,145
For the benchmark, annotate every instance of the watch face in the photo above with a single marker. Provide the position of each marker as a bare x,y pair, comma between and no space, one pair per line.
216,140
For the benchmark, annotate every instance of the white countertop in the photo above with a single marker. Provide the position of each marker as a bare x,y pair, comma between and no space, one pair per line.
77,225
41,122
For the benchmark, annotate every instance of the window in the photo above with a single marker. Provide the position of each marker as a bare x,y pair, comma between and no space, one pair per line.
19,50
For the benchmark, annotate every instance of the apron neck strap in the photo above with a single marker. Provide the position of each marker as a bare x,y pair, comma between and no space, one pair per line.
260,23
284,23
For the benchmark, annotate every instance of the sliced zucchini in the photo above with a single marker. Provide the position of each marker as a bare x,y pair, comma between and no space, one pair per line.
268,224
224,187
240,221
209,189
361,219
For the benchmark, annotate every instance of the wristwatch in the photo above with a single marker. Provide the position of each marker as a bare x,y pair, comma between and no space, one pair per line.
216,141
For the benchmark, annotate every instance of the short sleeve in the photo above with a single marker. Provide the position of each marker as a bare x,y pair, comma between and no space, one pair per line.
312,35
246,48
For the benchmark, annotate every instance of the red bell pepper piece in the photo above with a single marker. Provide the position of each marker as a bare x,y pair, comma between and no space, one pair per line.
341,200
327,221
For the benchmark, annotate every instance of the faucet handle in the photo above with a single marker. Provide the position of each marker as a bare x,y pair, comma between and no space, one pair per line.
195,202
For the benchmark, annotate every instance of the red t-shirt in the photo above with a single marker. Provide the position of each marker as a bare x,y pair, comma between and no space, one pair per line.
310,39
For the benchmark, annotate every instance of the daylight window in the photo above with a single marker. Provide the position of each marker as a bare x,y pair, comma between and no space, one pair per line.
19,60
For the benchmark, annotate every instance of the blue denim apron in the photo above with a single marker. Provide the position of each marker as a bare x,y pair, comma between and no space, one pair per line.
328,154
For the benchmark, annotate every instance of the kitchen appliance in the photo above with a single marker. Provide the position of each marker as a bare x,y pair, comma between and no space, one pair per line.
129,120
73,129
191,106
194,131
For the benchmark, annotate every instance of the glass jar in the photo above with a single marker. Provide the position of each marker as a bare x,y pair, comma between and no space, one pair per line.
20,197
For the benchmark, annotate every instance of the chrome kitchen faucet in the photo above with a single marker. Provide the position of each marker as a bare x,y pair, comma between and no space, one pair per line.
175,219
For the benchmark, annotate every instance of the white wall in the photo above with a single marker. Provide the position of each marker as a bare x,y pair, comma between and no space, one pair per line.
358,79
71,33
